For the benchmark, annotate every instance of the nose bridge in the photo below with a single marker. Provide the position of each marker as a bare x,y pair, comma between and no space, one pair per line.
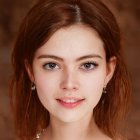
69,79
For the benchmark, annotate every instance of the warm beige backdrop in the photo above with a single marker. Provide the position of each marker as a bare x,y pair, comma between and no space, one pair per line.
128,15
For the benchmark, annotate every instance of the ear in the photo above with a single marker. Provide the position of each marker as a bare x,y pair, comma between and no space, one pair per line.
111,64
29,70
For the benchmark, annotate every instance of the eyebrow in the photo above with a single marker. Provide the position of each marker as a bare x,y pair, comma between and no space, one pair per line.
61,59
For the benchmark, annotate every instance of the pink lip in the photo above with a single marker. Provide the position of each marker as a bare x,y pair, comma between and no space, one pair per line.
70,105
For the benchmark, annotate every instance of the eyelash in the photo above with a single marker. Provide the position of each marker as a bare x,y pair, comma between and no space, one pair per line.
49,63
94,65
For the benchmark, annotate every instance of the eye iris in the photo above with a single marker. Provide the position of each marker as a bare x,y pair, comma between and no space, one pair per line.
87,65
52,65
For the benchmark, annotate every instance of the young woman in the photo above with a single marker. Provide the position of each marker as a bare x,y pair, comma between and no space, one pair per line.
70,81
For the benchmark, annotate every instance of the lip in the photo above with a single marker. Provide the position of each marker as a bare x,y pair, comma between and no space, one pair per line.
70,102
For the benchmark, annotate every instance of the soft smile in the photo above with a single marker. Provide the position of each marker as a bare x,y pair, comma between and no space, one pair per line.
70,102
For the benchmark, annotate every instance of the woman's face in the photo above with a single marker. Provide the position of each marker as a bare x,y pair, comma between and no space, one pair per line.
70,71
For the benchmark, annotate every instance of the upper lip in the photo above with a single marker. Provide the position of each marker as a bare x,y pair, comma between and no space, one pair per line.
69,98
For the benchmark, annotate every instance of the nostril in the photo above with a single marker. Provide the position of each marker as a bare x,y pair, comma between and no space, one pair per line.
69,80
69,85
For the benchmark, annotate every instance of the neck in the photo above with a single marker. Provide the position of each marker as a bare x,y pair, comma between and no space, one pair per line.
83,129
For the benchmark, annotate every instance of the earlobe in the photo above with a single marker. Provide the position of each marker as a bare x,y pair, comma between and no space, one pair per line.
29,70
111,65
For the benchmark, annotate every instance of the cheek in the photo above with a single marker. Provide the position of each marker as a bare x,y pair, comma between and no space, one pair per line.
45,84
46,89
44,79
93,85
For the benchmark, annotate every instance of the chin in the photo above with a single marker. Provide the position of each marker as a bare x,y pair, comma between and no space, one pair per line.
70,117
69,120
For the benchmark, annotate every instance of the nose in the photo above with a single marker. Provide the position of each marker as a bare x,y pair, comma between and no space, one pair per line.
69,81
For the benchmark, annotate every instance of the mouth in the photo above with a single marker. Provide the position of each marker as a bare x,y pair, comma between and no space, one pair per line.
70,102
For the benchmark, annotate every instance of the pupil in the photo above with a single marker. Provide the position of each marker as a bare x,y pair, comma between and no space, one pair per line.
52,65
87,65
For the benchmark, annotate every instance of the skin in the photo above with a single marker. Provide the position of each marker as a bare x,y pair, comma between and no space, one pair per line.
78,70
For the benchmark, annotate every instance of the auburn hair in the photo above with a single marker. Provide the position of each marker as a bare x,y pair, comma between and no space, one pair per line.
41,22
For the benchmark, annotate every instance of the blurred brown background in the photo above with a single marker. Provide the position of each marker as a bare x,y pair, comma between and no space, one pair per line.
128,16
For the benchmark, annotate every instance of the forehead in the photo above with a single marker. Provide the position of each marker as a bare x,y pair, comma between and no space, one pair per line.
74,40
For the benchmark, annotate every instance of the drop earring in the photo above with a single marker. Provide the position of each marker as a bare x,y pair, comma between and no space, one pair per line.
33,86
104,90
